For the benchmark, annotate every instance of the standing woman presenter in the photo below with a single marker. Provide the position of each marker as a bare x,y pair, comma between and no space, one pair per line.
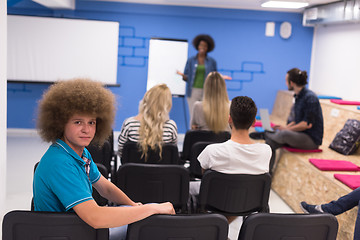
197,68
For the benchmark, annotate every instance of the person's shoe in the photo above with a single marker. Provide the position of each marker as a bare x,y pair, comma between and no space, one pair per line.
257,135
308,208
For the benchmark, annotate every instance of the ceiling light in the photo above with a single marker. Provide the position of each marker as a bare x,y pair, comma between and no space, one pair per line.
283,4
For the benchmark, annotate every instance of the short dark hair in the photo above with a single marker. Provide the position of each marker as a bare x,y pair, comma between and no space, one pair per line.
243,111
204,37
297,76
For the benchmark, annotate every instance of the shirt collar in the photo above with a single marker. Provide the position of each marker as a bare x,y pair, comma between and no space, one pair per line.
70,151
301,93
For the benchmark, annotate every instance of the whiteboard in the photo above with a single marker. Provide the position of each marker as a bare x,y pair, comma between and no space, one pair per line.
166,56
335,61
45,49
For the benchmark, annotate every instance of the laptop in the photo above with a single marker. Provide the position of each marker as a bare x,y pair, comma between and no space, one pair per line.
265,119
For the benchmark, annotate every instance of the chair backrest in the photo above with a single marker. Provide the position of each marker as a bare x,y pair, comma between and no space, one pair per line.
194,136
195,167
102,155
234,194
105,155
101,201
182,227
155,183
277,226
27,225
132,154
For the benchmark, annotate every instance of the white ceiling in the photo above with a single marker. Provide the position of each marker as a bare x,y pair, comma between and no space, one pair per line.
237,4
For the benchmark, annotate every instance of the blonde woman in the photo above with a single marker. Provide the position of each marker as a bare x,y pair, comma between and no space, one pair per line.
212,113
152,126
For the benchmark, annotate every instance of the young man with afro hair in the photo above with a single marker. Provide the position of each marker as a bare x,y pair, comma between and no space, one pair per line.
72,114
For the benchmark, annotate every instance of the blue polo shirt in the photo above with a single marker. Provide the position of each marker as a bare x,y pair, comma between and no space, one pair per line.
307,108
60,181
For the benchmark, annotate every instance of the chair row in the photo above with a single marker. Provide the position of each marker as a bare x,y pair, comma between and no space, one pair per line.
194,143
27,225
229,194
106,155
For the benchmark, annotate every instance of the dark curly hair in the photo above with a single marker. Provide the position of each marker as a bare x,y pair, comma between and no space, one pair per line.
297,76
204,37
77,96
243,112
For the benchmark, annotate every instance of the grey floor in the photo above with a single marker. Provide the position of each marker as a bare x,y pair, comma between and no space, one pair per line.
25,148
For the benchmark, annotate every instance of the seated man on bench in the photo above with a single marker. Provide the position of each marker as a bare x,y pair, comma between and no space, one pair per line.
305,128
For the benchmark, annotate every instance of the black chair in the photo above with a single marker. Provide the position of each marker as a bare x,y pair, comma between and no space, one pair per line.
181,227
276,226
155,183
193,136
103,155
132,154
195,168
27,225
234,194
101,201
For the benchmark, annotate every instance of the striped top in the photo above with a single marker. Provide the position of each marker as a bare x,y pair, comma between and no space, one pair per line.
130,132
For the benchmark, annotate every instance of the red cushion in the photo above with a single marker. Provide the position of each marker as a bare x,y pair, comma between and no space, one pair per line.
344,102
352,181
259,124
334,165
290,149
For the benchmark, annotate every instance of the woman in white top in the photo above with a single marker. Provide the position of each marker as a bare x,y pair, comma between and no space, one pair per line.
152,126
212,112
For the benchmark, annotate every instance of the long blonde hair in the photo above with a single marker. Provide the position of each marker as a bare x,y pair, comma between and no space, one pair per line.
154,110
216,102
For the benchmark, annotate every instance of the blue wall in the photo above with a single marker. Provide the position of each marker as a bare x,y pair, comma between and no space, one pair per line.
257,63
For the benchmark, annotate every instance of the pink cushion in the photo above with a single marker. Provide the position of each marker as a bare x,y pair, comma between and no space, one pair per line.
302,150
334,165
259,124
352,181
344,102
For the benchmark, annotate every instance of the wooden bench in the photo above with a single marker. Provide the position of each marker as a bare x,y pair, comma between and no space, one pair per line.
296,179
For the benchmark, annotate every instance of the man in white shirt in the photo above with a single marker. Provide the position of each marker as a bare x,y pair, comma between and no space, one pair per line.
239,155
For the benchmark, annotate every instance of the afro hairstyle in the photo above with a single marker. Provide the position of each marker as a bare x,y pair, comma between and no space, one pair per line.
204,37
77,96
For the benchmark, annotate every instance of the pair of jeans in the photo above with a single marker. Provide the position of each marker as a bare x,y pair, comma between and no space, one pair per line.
344,204
118,233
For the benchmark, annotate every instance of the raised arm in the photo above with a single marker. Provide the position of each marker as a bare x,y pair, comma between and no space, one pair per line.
184,77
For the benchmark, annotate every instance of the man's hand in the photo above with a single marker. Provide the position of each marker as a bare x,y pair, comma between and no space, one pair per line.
279,127
298,127
164,208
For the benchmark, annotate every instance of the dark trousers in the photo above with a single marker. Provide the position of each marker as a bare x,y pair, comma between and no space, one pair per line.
344,204
294,139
